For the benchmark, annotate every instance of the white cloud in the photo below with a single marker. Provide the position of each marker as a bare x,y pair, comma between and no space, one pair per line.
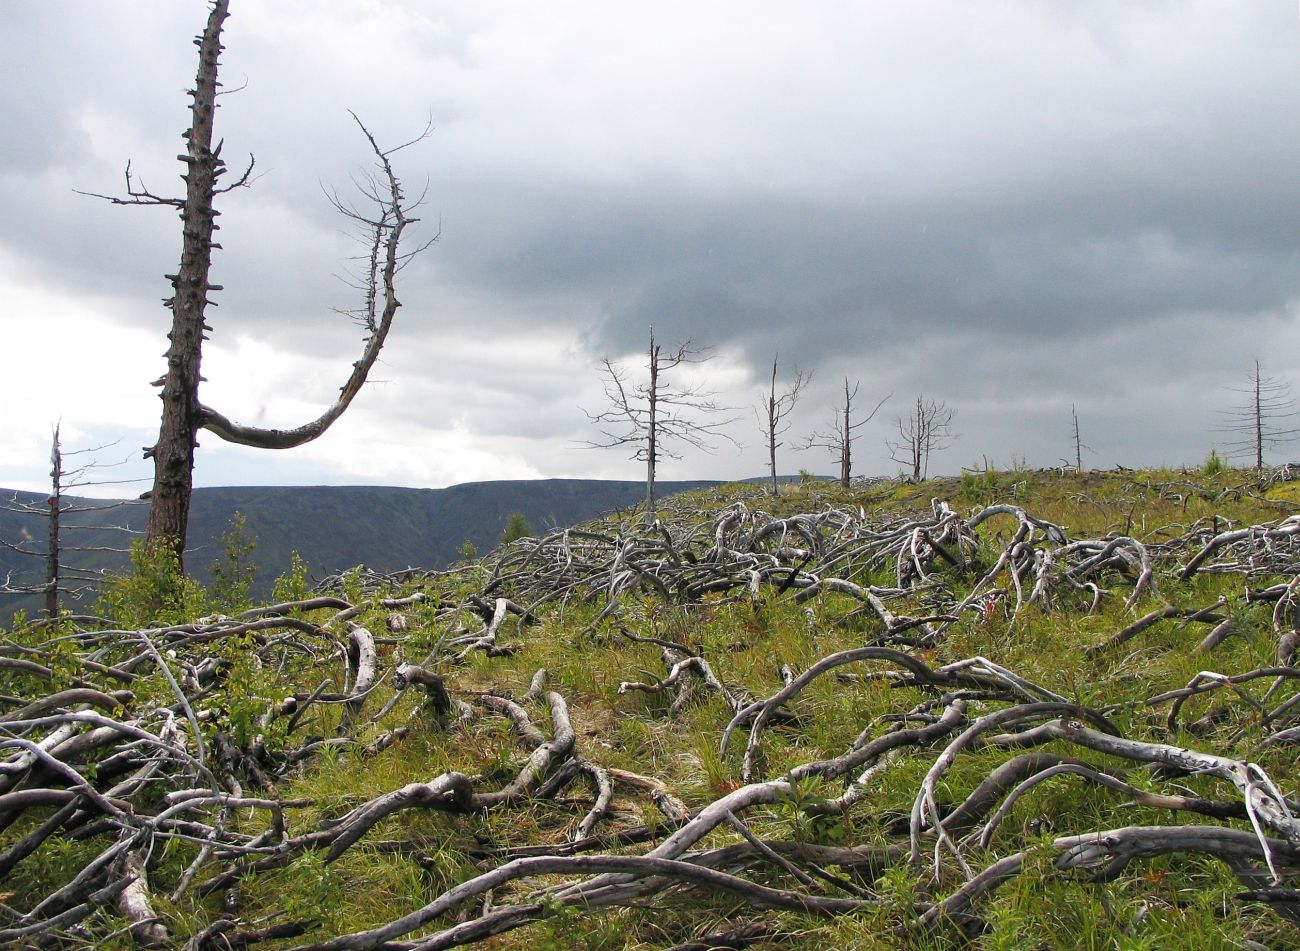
65,364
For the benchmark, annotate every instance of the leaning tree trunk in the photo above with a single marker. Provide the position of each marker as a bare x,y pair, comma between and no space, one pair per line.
173,454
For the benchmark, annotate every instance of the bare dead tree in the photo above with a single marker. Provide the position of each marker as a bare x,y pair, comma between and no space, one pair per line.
184,415
656,415
61,577
838,437
1264,417
1079,444
774,409
54,505
927,429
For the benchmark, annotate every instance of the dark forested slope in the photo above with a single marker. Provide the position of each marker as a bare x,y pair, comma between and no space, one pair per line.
335,527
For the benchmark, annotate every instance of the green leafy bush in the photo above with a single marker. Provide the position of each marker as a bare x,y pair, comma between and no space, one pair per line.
292,585
980,485
517,527
156,591
232,573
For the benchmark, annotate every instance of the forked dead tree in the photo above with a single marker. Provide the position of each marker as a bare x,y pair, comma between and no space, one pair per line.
1263,419
656,415
184,414
774,409
927,429
838,438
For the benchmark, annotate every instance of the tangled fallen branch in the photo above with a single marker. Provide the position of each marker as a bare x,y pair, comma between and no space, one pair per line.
133,742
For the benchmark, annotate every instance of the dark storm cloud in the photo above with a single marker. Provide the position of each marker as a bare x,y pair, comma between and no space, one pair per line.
808,278
1067,214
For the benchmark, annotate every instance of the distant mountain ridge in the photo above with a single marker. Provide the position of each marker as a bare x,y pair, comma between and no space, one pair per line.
332,527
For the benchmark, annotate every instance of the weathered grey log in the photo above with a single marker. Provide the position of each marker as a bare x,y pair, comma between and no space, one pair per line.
135,904
759,896
435,690
362,659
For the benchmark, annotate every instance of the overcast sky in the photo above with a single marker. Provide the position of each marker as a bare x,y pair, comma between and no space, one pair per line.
1011,206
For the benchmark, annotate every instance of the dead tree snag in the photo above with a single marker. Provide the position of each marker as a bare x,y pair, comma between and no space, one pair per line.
1262,419
774,409
62,577
656,415
927,429
838,439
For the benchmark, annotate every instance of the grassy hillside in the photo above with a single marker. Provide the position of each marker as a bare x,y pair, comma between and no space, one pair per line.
1015,710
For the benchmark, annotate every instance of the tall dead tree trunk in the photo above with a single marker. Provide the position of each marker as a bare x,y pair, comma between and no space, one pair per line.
652,428
1263,419
1258,413
1078,444
838,440
774,411
173,453
52,553
846,442
183,413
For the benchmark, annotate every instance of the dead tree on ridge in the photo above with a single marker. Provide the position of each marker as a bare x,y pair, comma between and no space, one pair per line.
61,578
655,415
773,410
838,439
1079,444
927,429
184,414
1257,422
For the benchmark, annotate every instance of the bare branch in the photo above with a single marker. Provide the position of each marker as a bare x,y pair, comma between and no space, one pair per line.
388,227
